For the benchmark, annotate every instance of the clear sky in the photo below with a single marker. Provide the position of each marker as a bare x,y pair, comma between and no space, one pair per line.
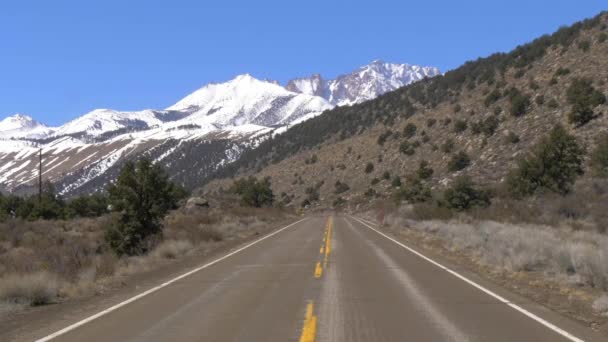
60,59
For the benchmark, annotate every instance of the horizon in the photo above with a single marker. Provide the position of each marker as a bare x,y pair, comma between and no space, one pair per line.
141,65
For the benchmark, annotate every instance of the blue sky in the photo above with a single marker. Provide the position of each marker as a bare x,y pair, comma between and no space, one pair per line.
61,59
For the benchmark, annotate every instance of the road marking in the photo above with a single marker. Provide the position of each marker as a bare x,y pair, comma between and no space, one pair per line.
547,324
328,242
156,288
309,330
318,270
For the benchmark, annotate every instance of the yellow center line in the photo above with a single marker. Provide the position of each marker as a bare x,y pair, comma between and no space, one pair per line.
309,330
325,249
328,242
318,270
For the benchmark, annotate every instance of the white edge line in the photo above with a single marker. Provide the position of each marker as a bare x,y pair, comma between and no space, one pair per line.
474,284
156,288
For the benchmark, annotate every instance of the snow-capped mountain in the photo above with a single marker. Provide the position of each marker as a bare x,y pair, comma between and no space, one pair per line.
22,126
192,138
246,100
364,84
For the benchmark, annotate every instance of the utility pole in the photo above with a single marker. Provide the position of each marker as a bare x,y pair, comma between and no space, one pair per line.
40,175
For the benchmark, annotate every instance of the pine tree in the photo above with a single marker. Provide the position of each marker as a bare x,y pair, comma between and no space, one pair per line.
141,197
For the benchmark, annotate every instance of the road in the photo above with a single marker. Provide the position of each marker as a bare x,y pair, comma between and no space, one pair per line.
326,278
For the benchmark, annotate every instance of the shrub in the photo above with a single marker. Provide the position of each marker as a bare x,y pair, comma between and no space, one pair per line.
409,130
519,103
414,191
383,137
141,197
561,72
539,99
396,182
341,187
31,289
553,81
602,37
312,160
552,104
369,168
487,126
492,97
512,138
583,97
375,181
254,193
553,164
599,157
370,193
431,122
457,108
464,194
447,146
460,126
584,45
338,202
424,170
459,161
406,148
386,175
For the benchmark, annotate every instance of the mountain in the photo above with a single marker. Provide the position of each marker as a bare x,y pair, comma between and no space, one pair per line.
493,110
364,84
22,126
193,138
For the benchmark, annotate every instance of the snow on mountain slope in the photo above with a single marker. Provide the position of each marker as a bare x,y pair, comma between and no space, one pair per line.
364,84
247,100
102,121
23,126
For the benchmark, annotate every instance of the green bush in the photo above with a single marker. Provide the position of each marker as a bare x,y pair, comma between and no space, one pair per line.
519,103
396,182
140,197
584,45
561,72
369,168
602,37
406,148
383,137
487,126
583,97
464,194
599,157
424,170
460,126
386,175
553,164
409,130
341,187
414,191
512,138
459,161
492,97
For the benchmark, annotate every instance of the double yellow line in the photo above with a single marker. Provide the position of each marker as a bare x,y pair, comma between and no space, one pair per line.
325,249
309,331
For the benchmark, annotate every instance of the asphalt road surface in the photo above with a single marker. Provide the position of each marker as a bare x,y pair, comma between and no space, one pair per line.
326,278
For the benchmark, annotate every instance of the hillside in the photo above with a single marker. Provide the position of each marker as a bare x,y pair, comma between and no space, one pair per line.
494,109
192,138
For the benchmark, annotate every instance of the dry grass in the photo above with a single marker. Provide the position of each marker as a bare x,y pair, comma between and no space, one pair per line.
48,261
575,257
30,289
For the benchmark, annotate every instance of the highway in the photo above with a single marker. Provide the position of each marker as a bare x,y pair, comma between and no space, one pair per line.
325,278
